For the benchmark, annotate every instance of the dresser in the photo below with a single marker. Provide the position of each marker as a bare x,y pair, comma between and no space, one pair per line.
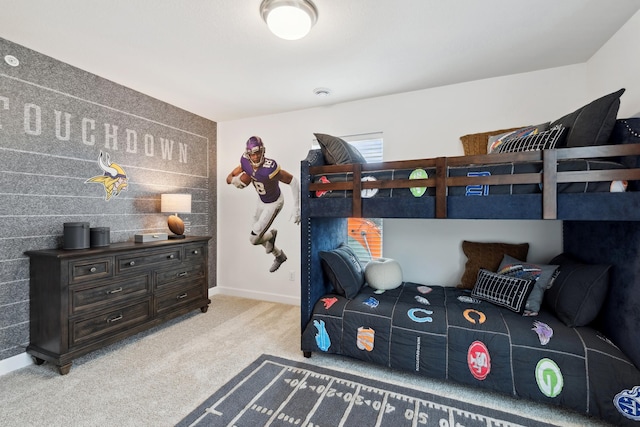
82,300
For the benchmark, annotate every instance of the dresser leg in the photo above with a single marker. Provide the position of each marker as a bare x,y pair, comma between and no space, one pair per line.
64,369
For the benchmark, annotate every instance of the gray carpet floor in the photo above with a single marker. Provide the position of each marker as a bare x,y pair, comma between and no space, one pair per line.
159,376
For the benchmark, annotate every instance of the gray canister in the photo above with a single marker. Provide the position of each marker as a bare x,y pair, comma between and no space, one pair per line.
76,235
100,237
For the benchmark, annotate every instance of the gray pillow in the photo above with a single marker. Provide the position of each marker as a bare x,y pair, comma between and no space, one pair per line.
543,276
591,124
578,292
343,269
337,151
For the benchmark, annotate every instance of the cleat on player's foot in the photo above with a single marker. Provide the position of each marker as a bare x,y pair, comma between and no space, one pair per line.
278,262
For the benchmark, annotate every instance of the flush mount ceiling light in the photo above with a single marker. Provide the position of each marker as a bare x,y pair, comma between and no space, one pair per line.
289,19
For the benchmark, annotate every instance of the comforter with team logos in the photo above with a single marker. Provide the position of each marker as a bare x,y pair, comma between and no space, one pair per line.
442,332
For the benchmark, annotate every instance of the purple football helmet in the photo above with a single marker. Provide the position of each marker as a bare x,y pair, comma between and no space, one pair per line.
255,145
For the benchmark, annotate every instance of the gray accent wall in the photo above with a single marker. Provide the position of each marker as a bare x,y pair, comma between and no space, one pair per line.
55,121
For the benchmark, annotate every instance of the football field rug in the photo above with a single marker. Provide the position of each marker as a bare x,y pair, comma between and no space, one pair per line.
273,391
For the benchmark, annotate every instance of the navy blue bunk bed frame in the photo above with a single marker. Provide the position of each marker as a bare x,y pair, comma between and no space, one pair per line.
600,228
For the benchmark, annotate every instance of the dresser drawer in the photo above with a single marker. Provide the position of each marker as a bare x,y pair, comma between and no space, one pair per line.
88,329
185,274
90,269
136,261
180,297
195,252
95,296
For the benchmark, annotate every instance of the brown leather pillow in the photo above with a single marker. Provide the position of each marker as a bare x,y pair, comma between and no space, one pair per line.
487,256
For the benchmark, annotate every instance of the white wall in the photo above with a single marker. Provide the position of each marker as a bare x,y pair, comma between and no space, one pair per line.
425,123
616,65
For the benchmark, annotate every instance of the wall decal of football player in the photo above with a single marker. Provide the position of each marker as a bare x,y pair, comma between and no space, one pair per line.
114,179
266,175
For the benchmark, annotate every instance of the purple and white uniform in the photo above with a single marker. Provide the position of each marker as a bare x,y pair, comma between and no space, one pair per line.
263,179
268,188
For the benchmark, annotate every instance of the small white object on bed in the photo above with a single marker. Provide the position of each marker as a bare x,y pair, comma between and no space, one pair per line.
383,274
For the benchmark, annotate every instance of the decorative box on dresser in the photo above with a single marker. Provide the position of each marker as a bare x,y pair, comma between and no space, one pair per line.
82,300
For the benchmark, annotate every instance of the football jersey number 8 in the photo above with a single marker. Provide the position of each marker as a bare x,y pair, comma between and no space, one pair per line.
259,187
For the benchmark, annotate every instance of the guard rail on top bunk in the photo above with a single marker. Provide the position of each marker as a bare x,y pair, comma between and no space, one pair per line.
549,178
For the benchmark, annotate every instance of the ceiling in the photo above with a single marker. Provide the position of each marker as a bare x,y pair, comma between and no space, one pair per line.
217,59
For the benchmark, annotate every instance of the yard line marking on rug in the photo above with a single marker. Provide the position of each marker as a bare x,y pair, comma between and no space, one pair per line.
275,391
257,396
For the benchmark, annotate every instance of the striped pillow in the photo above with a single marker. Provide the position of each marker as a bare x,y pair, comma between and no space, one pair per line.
546,140
505,291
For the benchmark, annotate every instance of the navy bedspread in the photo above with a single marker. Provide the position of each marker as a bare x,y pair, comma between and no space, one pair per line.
441,332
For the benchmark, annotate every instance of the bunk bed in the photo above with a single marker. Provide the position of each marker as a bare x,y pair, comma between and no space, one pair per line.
597,360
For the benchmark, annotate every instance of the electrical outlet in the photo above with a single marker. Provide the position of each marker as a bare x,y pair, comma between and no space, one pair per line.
292,275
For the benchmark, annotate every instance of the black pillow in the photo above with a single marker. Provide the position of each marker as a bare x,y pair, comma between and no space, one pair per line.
336,151
591,124
343,269
505,291
578,292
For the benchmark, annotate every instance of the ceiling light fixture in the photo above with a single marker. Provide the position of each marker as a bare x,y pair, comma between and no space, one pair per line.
289,19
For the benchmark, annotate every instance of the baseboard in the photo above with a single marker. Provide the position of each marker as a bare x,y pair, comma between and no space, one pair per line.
16,362
262,296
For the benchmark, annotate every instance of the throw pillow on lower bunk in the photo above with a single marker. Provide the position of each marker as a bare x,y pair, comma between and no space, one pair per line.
543,275
343,269
488,256
505,291
579,291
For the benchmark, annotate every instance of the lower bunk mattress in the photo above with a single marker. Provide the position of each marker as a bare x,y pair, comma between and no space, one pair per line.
444,333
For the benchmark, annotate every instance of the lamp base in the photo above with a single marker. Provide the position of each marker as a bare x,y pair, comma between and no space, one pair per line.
176,236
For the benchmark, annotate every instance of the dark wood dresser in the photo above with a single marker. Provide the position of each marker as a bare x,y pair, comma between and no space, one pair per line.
82,300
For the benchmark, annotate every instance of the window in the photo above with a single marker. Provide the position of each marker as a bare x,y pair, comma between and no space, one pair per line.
365,234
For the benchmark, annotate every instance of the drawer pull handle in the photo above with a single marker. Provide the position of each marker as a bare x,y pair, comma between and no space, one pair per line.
183,274
93,269
182,296
132,263
114,319
195,252
171,256
114,291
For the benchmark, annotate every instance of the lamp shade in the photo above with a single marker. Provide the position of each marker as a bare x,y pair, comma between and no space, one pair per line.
175,203
289,19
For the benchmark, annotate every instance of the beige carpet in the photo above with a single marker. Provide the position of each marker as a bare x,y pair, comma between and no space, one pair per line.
158,377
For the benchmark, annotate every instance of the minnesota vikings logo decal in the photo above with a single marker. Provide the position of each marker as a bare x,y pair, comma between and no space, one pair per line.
114,178
544,332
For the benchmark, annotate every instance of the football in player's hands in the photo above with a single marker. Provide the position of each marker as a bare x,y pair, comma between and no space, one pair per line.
241,181
246,179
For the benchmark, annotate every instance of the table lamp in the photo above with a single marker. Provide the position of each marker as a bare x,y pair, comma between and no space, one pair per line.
175,203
